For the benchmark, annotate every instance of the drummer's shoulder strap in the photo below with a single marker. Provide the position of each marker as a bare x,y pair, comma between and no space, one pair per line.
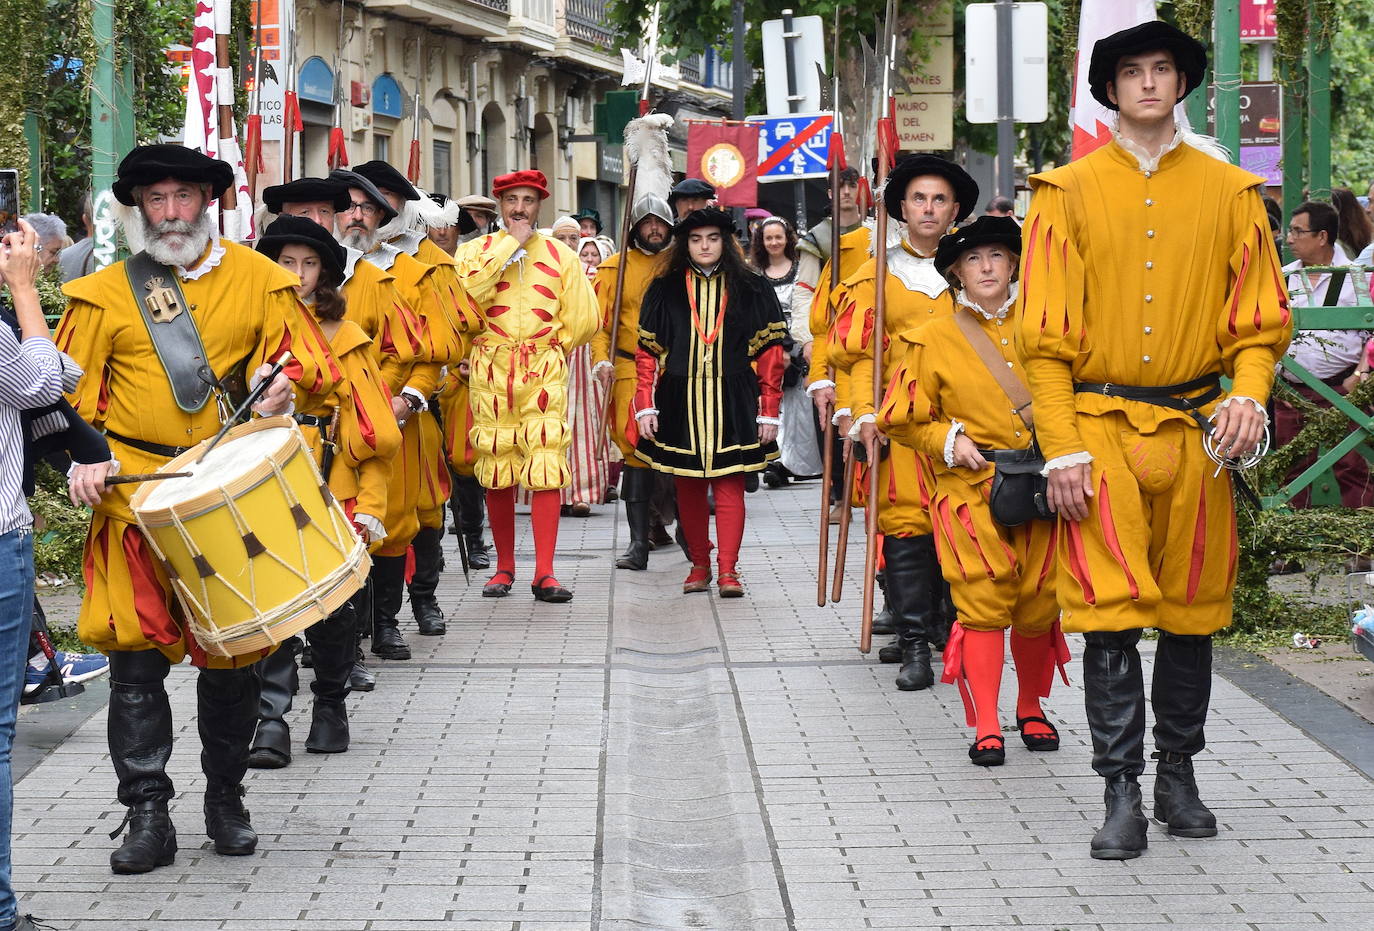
172,328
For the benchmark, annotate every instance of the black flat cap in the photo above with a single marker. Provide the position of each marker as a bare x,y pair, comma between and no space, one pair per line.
289,230
690,187
149,164
352,179
1190,56
914,166
306,191
706,216
984,231
388,179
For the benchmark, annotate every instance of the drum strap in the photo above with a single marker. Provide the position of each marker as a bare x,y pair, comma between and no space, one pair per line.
172,328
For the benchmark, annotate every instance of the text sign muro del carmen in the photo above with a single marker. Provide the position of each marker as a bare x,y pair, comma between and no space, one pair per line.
925,122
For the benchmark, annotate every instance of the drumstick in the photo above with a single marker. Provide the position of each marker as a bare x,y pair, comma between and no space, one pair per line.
248,402
144,477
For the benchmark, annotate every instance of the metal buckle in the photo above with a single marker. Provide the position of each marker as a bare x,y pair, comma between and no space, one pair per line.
1106,389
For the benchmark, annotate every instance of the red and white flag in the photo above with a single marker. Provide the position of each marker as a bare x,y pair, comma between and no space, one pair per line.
209,87
1092,123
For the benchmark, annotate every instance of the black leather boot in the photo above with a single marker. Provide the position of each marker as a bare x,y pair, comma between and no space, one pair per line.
277,682
471,500
945,615
359,678
333,640
908,562
1180,694
635,488
429,563
882,623
1114,695
140,739
227,701
388,584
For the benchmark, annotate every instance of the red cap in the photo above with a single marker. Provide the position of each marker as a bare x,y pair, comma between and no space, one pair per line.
532,178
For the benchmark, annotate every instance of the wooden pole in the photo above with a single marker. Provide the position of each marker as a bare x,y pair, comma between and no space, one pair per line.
229,200
846,518
828,450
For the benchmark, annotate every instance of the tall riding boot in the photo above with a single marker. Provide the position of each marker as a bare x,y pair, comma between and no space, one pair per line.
1181,691
472,502
429,563
140,737
908,562
227,707
277,677
882,623
359,678
635,487
943,615
1114,693
388,584
333,643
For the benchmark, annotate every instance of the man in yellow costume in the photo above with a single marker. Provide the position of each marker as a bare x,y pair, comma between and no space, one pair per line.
145,385
1148,274
535,303
450,345
928,194
643,259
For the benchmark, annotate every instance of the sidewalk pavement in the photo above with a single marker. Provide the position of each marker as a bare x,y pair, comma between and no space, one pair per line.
643,759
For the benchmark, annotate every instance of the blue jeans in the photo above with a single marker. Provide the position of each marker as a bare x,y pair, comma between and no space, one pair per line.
16,611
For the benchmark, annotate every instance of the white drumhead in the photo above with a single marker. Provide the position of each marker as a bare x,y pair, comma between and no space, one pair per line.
230,459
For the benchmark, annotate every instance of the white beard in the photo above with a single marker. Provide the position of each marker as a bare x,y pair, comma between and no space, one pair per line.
176,242
362,241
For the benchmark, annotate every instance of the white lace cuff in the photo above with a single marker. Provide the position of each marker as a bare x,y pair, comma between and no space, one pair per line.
285,412
859,422
372,526
424,405
818,385
76,465
603,364
1066,462
647,412
1240,397
955,428
841,412
771,421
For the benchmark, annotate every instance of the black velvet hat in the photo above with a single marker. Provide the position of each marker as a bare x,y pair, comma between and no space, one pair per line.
1190,56
984,231
306,191
387,178
289,230
914,166
149,164
706,216
689,187
353,179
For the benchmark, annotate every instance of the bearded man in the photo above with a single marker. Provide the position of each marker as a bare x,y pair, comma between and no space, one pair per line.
146,391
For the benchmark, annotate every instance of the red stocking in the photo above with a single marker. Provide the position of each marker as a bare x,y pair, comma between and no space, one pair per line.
1034,676
693,516
501,517
984,651
544,516
729,520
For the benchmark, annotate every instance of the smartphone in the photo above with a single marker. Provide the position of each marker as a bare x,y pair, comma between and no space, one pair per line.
9,201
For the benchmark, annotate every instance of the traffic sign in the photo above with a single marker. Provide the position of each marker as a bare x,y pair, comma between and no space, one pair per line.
793,147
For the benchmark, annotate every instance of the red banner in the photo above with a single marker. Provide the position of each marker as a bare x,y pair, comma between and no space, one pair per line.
726,156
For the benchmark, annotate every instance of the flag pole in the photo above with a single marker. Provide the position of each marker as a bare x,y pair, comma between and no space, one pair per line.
836,159
224,91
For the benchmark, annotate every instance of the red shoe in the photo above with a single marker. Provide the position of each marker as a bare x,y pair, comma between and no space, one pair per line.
729,585
698,580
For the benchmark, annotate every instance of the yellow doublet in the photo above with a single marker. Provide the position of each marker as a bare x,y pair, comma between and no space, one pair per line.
534,309
1146,277
641,270
998,576
376,306
825,306
246,310
905,478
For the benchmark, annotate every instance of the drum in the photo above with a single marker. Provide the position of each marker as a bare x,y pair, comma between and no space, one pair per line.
255,545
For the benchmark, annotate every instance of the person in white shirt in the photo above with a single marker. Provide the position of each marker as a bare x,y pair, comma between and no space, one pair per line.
1330,355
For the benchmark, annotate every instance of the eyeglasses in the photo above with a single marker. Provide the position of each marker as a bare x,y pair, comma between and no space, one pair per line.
1298,231
363,207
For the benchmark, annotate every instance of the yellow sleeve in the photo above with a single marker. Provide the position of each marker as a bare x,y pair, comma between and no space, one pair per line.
88,343
368,436
1255,326
851,346
579,312
1050,335
819,320
287,325
909,413
603,286
479,265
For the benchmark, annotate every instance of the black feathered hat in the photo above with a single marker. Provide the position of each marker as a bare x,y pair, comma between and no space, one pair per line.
984,231
149,164
353,179
914,166
306,191
1190,56
706,216
289,230
387,178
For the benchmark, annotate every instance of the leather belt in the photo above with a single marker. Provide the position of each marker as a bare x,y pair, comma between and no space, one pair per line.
622,354
1162,395
156,449
310,420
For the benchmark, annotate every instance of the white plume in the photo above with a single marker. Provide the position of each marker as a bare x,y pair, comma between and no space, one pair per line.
1208,145
433,216
646,145
130,222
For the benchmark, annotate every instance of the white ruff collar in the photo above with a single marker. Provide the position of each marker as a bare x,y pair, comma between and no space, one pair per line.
408,242
1147,161
384,256
916,273
204,268
350,263
999,314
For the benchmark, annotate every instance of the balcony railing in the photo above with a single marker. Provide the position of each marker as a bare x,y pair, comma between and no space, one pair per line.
690,68
586,20
500,6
